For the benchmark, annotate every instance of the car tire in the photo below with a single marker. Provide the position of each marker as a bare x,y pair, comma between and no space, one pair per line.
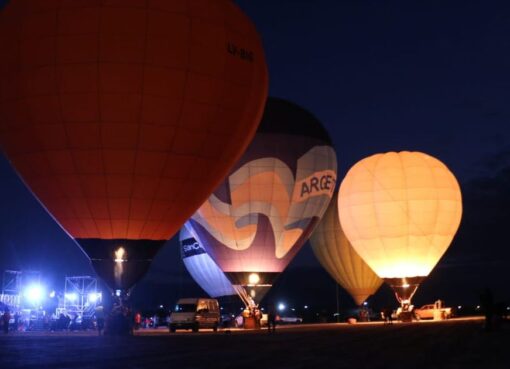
215,327
195,328
172,329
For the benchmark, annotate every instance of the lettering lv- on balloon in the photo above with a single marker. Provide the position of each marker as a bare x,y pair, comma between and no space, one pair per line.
341,261
259,217
122,117
400,211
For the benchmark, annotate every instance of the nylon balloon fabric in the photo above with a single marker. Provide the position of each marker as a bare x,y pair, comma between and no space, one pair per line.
202,267
260,216
400,211
341,261
122,116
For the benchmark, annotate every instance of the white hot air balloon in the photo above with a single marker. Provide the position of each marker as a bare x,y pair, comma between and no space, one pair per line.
400,211
202,268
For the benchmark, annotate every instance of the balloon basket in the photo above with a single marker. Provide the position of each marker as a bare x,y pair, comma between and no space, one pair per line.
251,323
406,316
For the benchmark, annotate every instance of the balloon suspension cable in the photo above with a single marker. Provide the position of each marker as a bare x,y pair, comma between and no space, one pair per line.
244,296
404,289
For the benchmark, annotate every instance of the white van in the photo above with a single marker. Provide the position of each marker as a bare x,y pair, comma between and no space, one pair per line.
195,313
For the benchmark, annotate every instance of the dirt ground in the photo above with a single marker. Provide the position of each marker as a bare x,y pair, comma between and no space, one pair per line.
452,344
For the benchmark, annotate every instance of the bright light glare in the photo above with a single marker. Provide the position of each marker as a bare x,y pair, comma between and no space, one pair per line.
253,278
459,307
405,285
34,293
365,303
71,296
120,255
117,293
306,306
93,297
52,294
281,306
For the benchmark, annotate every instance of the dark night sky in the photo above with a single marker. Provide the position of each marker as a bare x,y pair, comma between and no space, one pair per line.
381,75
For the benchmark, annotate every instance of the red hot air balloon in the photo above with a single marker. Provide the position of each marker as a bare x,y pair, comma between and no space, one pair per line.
122,116
259,217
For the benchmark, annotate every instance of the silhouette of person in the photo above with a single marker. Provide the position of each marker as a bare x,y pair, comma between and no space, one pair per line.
6,318
100,320
487,304
388,311
16,321
271,318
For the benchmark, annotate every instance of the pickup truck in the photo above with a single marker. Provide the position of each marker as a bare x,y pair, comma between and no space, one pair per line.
429,311
289,319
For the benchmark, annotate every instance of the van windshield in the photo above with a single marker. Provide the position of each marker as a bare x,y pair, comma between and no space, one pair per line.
185,308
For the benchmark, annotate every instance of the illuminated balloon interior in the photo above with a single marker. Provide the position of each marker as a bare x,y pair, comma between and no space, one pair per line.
400,211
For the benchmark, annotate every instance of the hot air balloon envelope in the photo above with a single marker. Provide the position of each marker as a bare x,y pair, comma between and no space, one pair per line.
122,118
260,216
202,267
341,261
400,211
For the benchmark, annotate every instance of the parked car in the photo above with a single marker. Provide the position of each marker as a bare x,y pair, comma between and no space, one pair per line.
432,311
195,313
289,319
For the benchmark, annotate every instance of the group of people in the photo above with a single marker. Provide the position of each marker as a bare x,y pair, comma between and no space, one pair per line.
12,321
387,315
120,321
252,318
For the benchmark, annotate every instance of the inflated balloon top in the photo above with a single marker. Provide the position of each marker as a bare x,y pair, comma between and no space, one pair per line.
400,211
123,116
260,216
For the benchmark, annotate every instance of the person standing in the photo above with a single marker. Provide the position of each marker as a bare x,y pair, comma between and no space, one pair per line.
271,318
6,318
100,320
16,321
487,303
138,321
387,313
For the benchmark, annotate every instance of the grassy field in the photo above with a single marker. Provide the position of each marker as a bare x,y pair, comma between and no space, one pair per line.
461,344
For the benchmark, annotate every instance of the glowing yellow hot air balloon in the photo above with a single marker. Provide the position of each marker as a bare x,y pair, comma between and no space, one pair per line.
341,261
400,211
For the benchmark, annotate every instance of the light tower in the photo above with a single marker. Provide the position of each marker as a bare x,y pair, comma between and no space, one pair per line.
11,289
80,296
